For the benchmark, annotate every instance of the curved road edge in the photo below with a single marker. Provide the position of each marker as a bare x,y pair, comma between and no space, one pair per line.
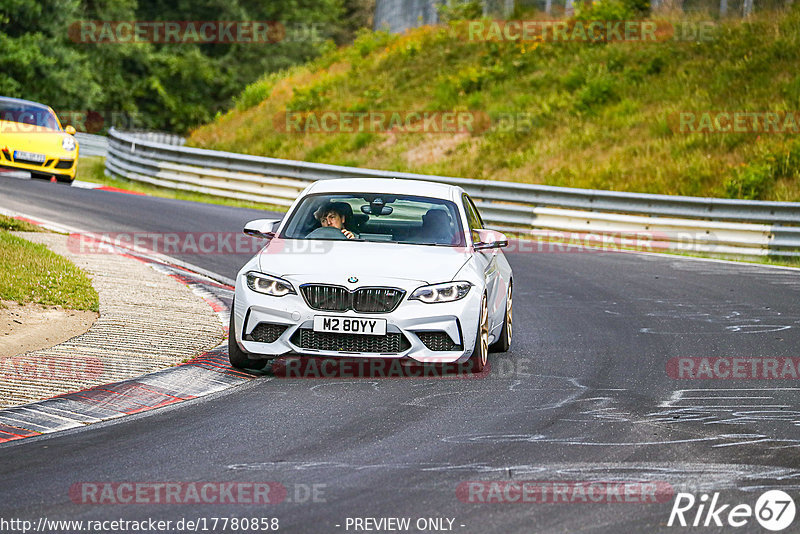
206,373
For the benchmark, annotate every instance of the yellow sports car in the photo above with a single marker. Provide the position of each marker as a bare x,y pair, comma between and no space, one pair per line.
32,139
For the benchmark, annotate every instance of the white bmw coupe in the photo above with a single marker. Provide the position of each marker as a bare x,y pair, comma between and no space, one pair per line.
374,268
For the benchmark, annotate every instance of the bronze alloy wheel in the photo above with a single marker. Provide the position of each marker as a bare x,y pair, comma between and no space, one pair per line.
503,342
484,333
509,316
480,351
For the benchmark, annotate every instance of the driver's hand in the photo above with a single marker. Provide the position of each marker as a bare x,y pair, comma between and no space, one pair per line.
348,234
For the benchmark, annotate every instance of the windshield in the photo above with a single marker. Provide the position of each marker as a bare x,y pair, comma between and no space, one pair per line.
21,112
376,217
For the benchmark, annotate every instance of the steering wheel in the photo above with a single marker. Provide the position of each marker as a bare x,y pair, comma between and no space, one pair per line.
326,232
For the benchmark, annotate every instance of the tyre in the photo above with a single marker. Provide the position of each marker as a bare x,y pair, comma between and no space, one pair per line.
64,179
40,176
503,343
239,358
480,352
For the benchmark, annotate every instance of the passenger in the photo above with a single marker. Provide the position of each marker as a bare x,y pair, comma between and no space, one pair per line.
436,227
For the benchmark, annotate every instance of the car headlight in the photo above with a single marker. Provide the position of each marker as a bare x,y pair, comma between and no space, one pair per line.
68,143
269,285
446,292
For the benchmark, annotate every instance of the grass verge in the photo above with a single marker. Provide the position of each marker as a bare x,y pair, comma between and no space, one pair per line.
16,225
30,272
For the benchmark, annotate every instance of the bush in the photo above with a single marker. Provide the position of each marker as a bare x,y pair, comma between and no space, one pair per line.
751,182
368,41
598,90
254,94
307,99
474,78
611,9
756,180
460,10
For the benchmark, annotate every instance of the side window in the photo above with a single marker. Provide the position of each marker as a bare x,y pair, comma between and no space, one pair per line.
473,217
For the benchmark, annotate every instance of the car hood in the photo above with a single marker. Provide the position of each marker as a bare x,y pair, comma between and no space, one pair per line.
18,136
372,263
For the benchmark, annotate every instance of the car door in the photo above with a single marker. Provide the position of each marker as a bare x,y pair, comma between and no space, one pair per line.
487,260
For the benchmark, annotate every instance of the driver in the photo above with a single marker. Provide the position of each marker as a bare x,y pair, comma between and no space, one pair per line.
333,214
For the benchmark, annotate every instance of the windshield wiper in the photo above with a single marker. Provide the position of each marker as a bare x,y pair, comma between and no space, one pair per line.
418,243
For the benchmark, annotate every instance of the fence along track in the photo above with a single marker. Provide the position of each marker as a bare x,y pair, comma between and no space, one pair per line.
687,224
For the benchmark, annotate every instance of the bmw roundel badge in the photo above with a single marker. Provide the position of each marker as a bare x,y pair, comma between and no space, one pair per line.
352,279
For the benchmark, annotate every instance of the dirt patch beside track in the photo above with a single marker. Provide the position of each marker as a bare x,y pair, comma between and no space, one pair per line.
33,326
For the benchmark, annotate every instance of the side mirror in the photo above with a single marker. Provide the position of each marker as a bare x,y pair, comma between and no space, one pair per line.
70,129
263,228
484,239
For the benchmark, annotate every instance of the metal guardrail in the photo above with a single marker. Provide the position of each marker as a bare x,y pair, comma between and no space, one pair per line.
160,137
91,145
97,145
691,224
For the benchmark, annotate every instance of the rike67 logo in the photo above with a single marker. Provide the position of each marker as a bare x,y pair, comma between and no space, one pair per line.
774,510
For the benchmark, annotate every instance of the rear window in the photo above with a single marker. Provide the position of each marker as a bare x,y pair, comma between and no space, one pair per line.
380,218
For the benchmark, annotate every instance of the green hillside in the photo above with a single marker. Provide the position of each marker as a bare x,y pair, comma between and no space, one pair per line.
596,115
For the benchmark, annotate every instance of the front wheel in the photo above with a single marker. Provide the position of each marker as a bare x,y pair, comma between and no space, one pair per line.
480,352
239,358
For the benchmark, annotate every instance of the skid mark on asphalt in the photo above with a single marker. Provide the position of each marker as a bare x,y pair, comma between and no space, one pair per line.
688,316
681,317
203,375
763,417
547,396
685,476
761,408
726,439
785,278
311,465
349,386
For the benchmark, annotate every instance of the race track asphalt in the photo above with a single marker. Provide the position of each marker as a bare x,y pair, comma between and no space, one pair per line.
584,395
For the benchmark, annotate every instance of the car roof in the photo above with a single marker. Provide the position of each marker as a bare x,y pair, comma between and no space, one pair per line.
22,101
394,186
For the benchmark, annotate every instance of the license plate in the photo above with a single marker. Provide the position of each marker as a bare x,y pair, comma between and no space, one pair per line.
28,156
350,325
